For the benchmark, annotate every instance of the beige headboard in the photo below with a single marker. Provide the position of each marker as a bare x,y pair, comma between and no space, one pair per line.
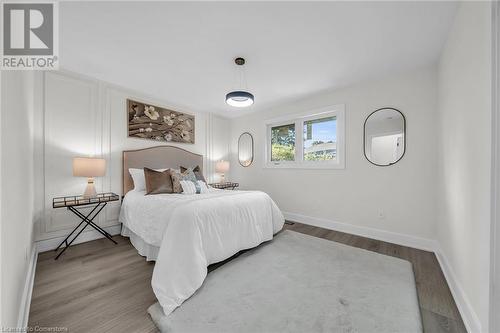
159,157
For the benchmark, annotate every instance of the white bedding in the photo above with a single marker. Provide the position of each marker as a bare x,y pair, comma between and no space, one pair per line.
194,231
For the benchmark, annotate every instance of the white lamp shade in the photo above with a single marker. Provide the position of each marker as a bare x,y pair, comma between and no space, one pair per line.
222,166
89,167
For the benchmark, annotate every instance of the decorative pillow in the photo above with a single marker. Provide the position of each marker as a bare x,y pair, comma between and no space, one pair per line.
203,186
139,179
189,175
197,172
158,181
176,179
188,187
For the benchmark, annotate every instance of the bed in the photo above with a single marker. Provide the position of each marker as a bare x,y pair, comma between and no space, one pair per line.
186,233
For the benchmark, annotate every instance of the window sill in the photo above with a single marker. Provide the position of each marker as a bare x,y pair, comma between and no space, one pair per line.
333,166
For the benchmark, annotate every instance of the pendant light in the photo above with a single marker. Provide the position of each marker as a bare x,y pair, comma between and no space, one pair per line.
240,98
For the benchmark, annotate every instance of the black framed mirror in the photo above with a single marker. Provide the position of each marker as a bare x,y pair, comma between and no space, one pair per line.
245,149
385,136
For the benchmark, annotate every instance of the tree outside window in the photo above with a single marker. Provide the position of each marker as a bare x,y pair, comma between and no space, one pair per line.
283,143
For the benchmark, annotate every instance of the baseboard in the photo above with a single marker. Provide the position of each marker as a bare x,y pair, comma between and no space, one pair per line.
24,309
471,320
86,236
382,235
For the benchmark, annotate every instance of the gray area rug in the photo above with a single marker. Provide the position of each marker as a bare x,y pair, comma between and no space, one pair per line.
300,283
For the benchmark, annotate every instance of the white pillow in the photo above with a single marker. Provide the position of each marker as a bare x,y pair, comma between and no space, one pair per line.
188,187
203,187
139,178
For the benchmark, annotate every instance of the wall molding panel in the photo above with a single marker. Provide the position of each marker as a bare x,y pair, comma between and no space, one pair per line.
83,116
70,129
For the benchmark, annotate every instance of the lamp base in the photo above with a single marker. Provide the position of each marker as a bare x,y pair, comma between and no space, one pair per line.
222,178
90,191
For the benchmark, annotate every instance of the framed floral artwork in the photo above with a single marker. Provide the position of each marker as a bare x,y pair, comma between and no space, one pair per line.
147,121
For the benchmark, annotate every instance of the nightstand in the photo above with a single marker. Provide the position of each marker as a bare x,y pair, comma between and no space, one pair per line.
225,185
73,203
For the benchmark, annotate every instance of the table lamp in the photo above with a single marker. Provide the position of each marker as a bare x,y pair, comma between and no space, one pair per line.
222,167
89,167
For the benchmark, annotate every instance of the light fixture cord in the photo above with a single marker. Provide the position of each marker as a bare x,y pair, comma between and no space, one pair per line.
242,84
245,79
241,76
237,77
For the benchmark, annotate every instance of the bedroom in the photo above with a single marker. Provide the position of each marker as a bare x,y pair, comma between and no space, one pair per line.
216,166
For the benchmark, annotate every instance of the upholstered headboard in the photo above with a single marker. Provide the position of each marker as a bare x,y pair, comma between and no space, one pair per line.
159,157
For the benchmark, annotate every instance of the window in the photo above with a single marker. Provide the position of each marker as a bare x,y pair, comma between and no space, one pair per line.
320,139
319,143
283,143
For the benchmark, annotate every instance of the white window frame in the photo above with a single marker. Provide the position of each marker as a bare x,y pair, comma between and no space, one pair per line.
337,111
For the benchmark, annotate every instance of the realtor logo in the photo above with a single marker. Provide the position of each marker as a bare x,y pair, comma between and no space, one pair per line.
29,38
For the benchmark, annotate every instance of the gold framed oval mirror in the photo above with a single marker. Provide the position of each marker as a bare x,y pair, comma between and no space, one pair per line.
245,149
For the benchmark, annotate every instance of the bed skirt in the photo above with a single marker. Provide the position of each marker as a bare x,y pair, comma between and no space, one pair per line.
146,250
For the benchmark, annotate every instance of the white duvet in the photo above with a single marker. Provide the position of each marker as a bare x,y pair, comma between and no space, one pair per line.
194,231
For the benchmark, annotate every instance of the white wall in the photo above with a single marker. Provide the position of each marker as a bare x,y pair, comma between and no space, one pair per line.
1,235
84,116
355,195
17,114
463,223
495,173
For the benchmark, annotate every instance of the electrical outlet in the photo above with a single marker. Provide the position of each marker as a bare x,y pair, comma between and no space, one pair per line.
381,214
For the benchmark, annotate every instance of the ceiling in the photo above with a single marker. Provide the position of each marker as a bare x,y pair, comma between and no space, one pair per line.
183,52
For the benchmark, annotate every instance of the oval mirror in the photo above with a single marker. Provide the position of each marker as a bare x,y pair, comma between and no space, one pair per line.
245,149
385,136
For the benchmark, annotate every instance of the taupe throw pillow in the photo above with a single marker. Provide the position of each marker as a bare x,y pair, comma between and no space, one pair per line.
158,181
176,178
197,173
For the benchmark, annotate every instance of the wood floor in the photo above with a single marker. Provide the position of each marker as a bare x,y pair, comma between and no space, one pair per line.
102,287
